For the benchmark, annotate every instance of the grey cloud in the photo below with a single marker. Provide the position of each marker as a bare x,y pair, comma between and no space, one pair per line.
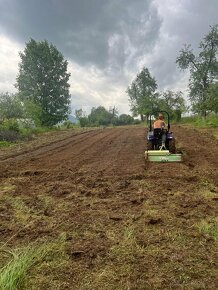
184,22
188,21
81,29
116,37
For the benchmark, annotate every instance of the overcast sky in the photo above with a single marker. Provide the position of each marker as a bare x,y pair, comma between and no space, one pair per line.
106,42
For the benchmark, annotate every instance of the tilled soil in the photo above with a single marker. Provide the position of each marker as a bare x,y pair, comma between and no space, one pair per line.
128,224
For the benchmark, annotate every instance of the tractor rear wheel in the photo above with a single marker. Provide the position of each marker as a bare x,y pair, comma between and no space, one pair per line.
150,145
172,146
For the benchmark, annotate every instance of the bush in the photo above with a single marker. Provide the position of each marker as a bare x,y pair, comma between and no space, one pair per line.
10,136
9,125
10,106
4,144
13,126
176,115
26,133
136,122
84,122
68,124
124,119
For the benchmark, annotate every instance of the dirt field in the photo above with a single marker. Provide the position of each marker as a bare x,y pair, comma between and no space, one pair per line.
125,224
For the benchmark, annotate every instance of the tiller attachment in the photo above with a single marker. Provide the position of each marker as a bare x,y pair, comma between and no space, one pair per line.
162,156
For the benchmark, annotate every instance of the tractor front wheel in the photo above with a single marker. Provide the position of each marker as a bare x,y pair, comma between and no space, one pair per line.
172,146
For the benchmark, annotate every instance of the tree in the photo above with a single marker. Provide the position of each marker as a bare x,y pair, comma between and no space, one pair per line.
142,93
203,69
33,111
10,107
100,116
173,103
113,111
79,113
84,121
212,96
133,94
114,115
81,116
125,119
43,79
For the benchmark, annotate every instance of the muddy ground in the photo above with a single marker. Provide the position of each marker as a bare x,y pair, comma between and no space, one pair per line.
126,223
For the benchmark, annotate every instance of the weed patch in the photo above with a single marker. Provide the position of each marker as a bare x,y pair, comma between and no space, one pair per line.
209,227
15,272
7,188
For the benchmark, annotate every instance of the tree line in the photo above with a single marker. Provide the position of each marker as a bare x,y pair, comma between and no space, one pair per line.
203,83
43,87
102,117
43,92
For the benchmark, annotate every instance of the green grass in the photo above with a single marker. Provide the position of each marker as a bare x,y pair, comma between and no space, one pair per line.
209,228
5,144
12,275
11,127
5,189
15,274
29,132
121,260
197,121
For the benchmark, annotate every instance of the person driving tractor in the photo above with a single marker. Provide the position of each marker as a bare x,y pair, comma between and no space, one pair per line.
158,125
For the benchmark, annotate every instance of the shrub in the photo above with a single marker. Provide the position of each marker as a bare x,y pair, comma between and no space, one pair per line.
68,124
13,126
10,124
84,122
10,136
136,122
4,144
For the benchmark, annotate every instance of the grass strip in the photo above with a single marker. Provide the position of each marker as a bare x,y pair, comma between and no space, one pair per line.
5,144
13,274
